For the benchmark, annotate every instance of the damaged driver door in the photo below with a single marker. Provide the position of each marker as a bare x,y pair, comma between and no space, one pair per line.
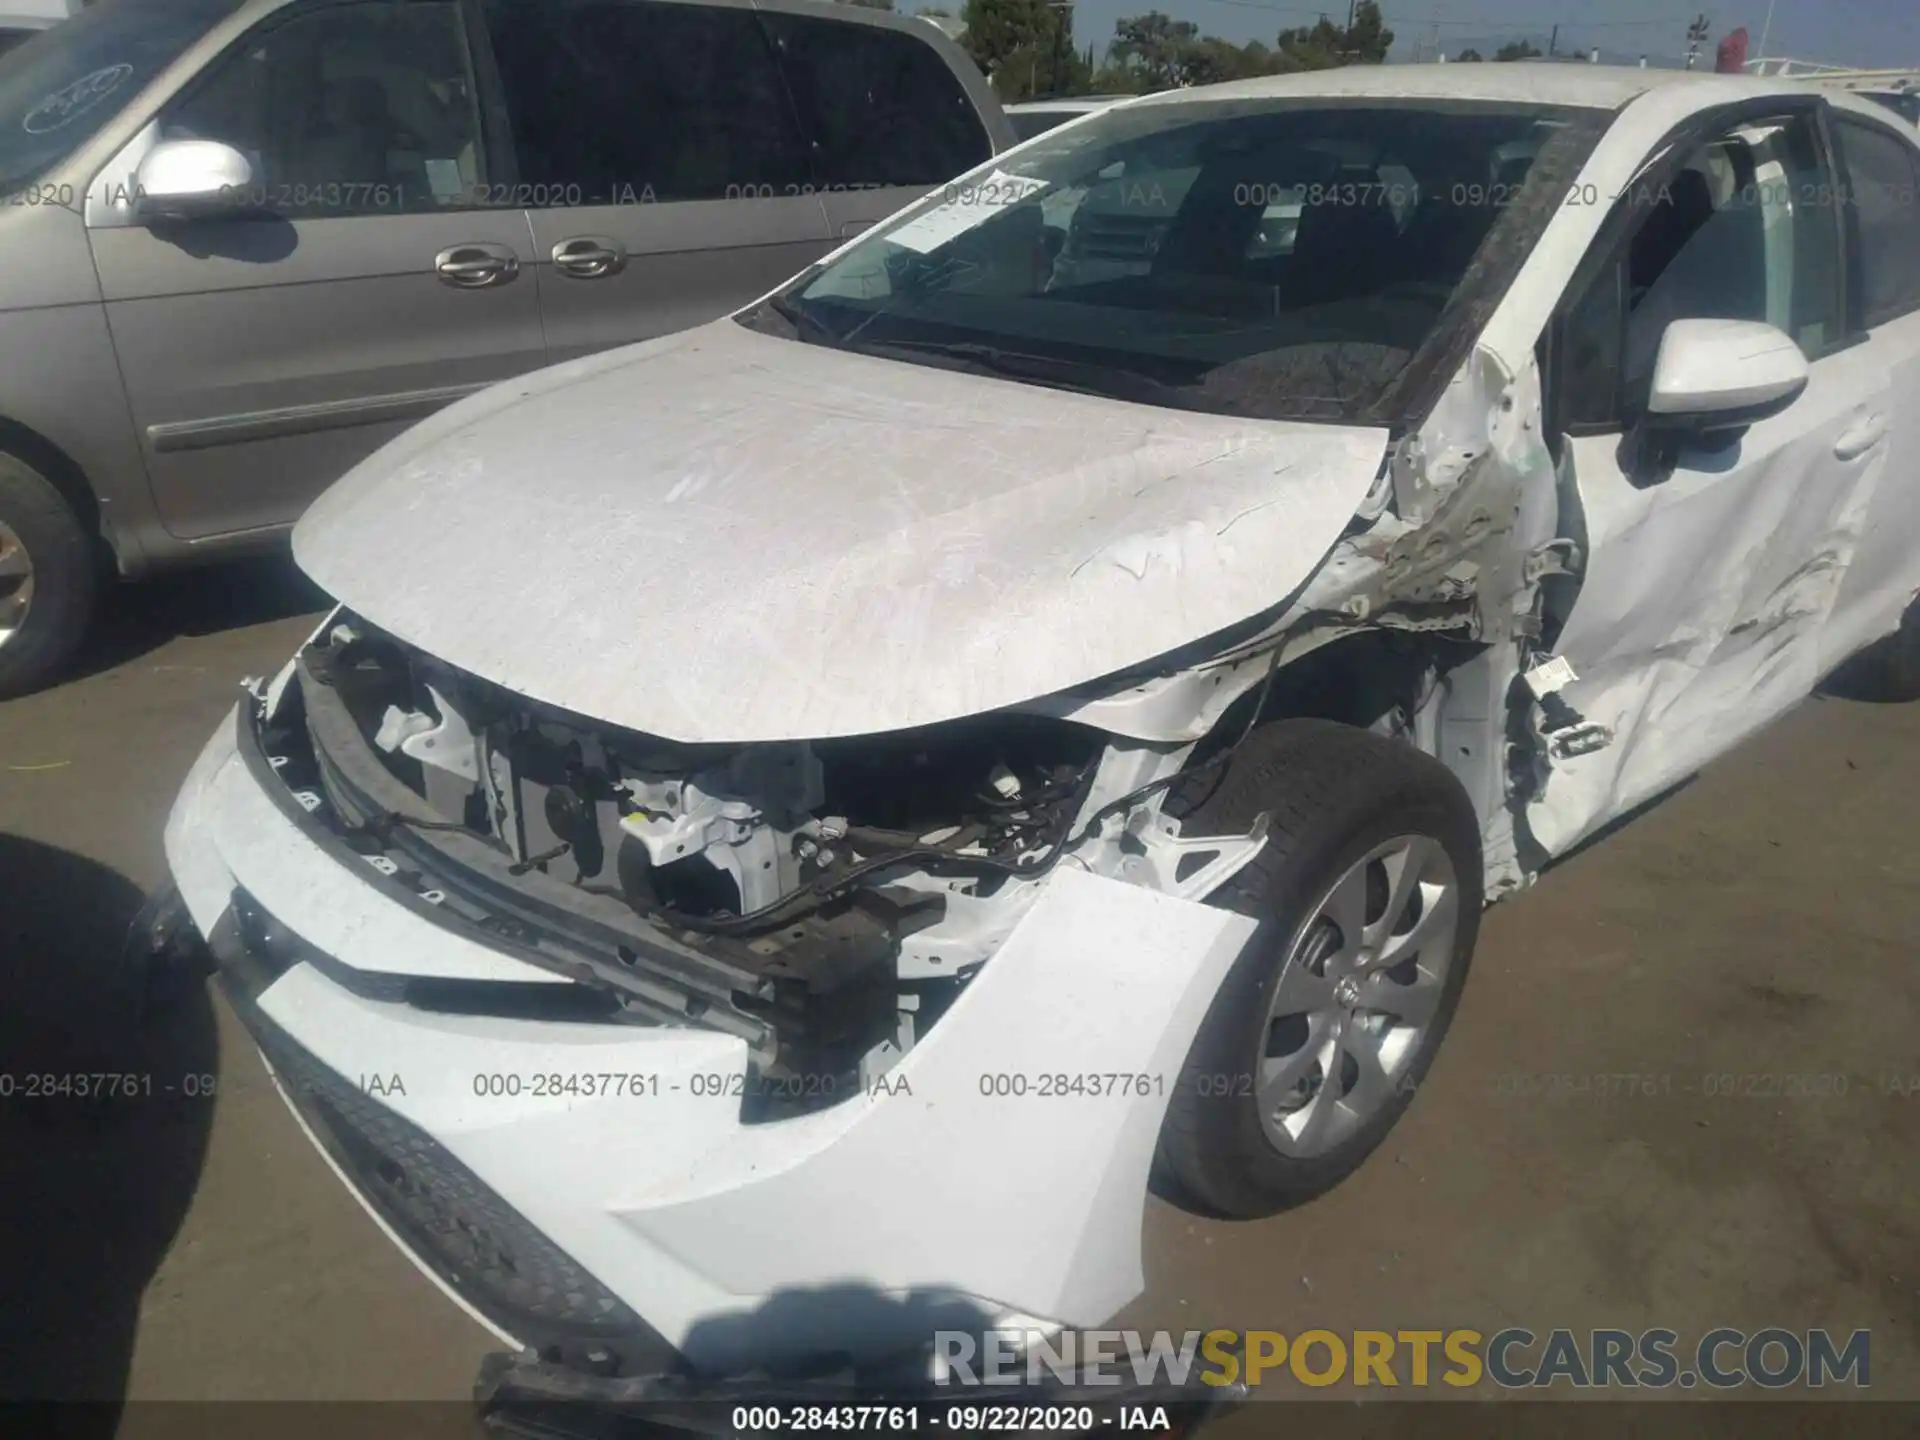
1713,556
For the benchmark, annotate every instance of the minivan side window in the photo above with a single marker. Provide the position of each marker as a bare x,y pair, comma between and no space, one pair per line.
1883,178
882,107
1746,229
629,101
363,109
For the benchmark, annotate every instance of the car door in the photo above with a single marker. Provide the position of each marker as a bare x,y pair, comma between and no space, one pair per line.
1883,186
886,116
369,282
1710,574
660,159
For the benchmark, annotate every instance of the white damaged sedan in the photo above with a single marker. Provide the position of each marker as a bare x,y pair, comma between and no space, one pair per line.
792,821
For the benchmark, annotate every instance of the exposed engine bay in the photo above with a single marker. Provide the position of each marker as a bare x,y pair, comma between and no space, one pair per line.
844,890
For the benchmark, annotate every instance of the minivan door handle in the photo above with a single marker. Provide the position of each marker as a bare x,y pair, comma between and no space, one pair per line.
477,265
588,257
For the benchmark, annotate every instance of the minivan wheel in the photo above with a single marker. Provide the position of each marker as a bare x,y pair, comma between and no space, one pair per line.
48,579
1368,894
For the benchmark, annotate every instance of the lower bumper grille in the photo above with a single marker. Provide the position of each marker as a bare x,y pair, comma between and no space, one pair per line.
446,1215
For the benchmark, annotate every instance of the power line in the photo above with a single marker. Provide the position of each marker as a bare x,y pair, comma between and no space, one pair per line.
1412,22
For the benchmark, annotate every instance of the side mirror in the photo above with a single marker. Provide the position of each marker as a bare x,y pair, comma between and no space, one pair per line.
1719,375
189,179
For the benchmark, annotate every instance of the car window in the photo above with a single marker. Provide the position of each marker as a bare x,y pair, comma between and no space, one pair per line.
1240,256
1904,103
624,101
1745,229
1882,178
58,87
347,110
1029,123
882,107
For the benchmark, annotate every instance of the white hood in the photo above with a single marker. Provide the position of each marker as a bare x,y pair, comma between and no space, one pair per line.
726,536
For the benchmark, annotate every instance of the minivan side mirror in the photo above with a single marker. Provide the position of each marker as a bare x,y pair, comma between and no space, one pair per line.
189,179
1719,375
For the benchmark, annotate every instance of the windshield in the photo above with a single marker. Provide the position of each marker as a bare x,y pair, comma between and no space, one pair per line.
61,86
1260,258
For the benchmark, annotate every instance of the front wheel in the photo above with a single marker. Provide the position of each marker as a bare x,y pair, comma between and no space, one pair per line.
48,579
1368,894
1889,669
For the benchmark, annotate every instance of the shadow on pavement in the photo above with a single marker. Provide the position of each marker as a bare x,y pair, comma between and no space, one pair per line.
133,620
103,1126
837,1348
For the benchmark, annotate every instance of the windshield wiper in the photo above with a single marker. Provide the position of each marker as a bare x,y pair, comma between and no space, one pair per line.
803,321
1083,376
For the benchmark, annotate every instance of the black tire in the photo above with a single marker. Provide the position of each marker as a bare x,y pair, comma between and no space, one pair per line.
1333,794
1887,670
66,578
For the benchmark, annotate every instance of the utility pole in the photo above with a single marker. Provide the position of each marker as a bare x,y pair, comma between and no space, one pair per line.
1765,30
1552,41
1063,11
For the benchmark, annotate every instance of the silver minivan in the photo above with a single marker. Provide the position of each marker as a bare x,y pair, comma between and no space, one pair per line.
243,243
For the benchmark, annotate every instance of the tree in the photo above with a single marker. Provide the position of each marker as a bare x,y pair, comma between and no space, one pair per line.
1517,50
1043,67
1469,55
1156,52
1155,48
1025,47
1325,45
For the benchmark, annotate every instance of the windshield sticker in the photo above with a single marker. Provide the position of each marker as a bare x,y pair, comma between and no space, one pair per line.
966,205
71,101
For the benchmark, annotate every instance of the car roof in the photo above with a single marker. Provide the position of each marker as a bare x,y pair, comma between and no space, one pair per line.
1069,103
1598,87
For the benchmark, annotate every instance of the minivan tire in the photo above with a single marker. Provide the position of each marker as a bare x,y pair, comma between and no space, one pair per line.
65,577
1335,797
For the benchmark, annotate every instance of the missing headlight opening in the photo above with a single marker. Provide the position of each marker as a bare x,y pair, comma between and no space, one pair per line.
844,891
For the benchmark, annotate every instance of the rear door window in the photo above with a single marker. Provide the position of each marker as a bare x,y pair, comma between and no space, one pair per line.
632,101
1883,178
882,108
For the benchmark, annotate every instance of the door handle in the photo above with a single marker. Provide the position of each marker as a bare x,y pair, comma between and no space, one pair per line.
588,257
476,266
1860,437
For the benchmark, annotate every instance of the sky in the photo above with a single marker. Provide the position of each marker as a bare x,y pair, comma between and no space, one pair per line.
1841,32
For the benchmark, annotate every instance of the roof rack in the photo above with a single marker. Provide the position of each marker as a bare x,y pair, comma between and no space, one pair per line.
1844,77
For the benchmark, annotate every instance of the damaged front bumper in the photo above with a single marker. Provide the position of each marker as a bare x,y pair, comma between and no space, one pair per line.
590,1185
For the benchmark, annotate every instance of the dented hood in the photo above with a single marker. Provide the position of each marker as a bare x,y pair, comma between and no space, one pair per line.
726,536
